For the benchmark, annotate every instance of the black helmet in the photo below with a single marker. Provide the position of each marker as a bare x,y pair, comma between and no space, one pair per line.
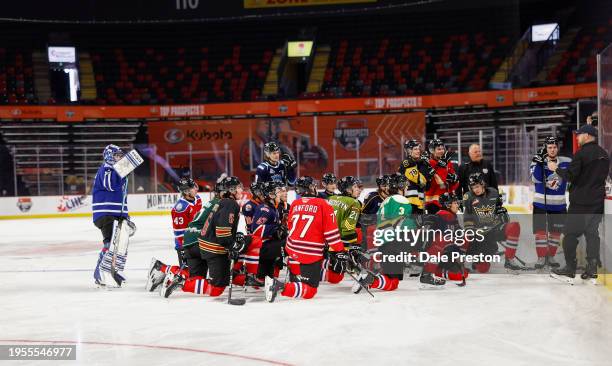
433,144
220,187
329,178
230,184
397,182
447,199
305,186
256,189
268,189
476,178
271,147
551,140
383,180
185,183
411,144
347,182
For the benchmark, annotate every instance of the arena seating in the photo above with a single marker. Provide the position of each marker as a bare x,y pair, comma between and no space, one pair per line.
579,64
16,76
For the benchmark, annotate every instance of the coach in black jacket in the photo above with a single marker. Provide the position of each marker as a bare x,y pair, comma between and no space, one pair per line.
587,175
476,165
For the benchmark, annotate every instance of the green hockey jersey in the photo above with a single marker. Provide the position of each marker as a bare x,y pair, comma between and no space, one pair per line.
347,210
193,231
395,211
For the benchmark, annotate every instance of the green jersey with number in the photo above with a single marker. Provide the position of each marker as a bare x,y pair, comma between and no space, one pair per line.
347,210
395,211
193,231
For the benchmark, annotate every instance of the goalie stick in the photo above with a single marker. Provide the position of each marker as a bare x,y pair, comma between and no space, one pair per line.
117,243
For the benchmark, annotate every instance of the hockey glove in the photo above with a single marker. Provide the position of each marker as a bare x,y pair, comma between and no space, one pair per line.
429,170
356,254
239,246
338,261
289,161
280,233
540,156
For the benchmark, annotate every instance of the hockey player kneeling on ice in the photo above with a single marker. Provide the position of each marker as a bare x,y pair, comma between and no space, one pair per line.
248,209
109,206
268,230
484,212
183,212
219,240
348,210
189,243
446,219
312,230
395,214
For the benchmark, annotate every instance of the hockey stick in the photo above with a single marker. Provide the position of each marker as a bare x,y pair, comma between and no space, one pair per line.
357,266
113,268
362,286
231,279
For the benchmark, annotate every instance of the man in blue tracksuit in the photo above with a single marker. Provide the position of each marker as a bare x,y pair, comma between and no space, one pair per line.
109,202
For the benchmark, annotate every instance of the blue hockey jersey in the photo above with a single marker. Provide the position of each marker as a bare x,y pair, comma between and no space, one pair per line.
108,193
267,172
554,185
265,221
248,210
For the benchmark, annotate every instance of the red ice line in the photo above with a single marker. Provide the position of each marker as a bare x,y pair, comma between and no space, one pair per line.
154,347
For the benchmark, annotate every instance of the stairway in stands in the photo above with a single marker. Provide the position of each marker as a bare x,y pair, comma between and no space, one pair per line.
271,84
42,85
319,65
87,78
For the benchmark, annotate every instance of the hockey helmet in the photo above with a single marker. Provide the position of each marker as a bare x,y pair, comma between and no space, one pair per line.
112,154
185,184
433,144
348,182
476,178
329,178
397,182
305,186
447,199
383,180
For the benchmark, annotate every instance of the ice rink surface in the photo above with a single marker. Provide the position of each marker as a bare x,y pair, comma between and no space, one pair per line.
48,295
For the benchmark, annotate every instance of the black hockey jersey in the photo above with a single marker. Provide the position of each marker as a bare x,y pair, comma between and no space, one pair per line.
325,194
480,210
220,229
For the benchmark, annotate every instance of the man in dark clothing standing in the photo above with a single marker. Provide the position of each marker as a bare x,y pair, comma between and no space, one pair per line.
587,175
476,165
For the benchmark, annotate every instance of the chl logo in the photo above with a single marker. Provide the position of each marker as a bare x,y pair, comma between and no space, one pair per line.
351,133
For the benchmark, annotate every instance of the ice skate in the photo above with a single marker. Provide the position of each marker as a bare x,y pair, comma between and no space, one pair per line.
430,281
156,276
565,274
171,283
514,266
541,263
272,287
590,272
364,279
551,262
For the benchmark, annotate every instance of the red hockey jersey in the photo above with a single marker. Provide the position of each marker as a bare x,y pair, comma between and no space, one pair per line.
183,213
312,224
435,189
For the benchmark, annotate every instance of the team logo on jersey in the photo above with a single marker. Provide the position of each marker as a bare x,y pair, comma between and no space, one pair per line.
351,133
485,171
24,204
